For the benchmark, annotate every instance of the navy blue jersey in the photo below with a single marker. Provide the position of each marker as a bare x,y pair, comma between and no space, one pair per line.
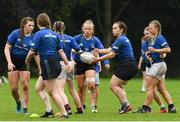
158,43
86,45
144,49
68,43
20,47
46,43
122,47
100,46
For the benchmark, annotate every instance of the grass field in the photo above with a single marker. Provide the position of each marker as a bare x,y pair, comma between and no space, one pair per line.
107,105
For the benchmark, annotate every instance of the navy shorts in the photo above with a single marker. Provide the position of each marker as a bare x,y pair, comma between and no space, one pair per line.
126,70
80,68
19,63
51,68
143,66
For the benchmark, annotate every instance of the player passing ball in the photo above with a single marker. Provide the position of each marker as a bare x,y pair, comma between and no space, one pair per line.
121,50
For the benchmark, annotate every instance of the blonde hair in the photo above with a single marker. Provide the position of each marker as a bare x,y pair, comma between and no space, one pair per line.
157,25
89,22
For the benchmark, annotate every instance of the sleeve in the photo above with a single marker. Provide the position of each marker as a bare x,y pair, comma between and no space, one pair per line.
12,38
74,45
60,44
162,42
100,46
35,42
116,45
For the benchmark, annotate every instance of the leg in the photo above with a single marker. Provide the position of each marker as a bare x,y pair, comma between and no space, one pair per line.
24,78
54,91
75,95
166,96
150,93
143,88
116,86
13,77
90,78
61,83
40,89
80,82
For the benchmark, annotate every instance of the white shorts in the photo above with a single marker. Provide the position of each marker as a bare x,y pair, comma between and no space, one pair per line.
64,74
157,70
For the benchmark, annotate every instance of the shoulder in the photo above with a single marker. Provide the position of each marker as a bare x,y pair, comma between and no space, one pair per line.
15,32
160,37
96,38
78,36
68,36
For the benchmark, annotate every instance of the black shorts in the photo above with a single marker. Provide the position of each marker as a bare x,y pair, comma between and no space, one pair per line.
19,63
80,68
126,70
143,66
51,68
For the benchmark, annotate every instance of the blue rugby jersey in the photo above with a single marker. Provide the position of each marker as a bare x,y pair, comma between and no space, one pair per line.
158,43
20,47
86,45
144,49
122,47
100,46
46,43
68,43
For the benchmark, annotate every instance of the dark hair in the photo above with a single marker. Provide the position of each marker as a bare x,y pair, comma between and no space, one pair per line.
123,26
59,26
23,22
43,20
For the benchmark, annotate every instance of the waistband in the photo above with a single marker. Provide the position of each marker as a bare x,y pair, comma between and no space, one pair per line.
157,61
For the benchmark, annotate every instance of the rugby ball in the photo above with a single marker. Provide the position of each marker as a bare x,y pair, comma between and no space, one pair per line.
87,57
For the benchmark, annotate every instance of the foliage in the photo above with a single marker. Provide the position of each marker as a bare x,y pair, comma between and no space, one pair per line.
135,13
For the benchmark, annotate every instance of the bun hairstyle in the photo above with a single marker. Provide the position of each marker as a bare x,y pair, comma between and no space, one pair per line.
43,20
89,22
23,22
59,26
157,24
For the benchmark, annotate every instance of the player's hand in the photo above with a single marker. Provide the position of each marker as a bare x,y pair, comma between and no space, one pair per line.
95,60
11,66
151,49
107,66
68,68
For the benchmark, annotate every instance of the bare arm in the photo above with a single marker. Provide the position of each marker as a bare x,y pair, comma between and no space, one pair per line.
163,50
107,56
140,62
29,56
37,60
63,56
7,49
104,51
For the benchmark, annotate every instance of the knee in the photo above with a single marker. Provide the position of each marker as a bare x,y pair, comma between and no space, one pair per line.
25,86
14,90
91,85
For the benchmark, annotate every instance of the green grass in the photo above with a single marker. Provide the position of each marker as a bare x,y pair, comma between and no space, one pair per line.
107,104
